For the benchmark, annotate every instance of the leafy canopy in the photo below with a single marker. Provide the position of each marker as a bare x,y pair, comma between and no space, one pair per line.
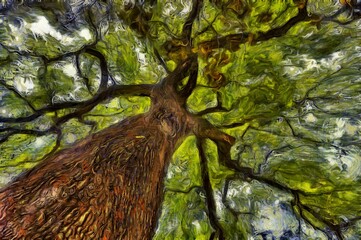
282,77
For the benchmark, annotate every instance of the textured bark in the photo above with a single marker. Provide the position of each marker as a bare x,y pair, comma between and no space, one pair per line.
107,186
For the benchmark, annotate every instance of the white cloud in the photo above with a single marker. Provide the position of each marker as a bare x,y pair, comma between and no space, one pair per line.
42,27
69,70
85,33
23,84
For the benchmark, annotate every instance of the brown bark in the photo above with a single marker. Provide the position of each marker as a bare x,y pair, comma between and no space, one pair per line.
107,186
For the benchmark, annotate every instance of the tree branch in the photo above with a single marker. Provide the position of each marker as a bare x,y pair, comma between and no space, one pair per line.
187,27
12,131
232,41
85,106
280,31
192,82
247,174
204,129
182,70
217,108
103,68
117,90
17,93
207,186
59,135
301,207
78,68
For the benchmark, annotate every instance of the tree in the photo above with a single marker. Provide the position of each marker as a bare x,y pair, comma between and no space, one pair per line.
254,104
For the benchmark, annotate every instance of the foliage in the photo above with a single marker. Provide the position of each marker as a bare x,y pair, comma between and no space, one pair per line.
282,77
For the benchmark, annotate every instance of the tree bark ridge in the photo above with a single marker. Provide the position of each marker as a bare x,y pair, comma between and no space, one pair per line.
107,186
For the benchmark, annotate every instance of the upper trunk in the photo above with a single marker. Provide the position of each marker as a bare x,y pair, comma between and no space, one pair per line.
107,186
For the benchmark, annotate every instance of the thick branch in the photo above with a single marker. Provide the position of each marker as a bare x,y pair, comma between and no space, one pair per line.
211,203
133,90
192,81
85,106
187,27
233,41
182,71
248,174
78,68
336,229
204,129
13,131
103,68
280,31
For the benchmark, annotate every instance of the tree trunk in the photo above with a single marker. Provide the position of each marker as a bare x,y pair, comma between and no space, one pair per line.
107,186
